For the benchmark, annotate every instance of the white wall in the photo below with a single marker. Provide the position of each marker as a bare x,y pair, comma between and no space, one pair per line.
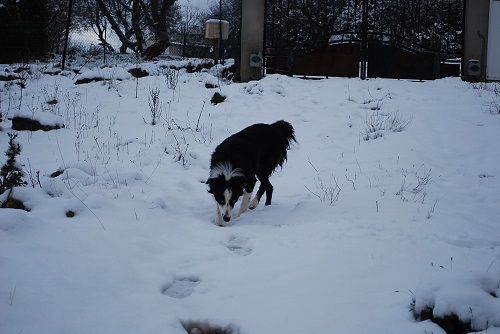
493,60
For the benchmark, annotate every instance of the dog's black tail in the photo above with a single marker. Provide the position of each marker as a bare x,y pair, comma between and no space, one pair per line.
287,131
284,136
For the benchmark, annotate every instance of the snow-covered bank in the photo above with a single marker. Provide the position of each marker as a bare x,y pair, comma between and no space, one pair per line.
366,214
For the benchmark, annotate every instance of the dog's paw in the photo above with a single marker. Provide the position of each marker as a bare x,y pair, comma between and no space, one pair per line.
254,203
218,221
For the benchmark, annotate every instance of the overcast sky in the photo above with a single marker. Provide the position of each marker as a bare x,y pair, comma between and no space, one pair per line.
201,4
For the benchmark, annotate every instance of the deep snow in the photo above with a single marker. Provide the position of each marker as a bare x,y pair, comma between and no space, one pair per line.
357,227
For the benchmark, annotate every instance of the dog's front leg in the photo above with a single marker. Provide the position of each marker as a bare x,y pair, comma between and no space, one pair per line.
245,202
218,216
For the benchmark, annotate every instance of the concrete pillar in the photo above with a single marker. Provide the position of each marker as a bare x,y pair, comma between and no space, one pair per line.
476,35
252,37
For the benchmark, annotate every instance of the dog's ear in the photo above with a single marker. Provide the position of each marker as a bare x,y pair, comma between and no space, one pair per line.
209,184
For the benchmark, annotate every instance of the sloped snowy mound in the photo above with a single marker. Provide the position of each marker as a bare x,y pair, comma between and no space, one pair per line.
7,76
34,121
271,84
138,72
191,65
29,197
120,235
211,82
204,327
223,71
470,301
107,73
52,71
253,88
12,219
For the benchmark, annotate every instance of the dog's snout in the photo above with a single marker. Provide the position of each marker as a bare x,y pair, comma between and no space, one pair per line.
226,218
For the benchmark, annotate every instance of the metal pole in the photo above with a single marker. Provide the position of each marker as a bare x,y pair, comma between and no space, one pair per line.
364,39
464,27
221,58
68,23
264,32
105,40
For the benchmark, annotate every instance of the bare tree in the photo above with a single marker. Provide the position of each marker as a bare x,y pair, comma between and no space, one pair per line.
118,14
190,28
160,17
140,25
91,17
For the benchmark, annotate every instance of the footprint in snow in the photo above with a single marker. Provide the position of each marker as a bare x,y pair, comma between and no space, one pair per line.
239,245
180,287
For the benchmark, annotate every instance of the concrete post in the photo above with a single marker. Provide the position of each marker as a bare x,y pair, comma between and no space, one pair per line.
252,37
475,36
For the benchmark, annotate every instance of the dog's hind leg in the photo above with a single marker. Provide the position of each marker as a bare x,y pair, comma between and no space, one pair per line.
255,201
265,187
269,193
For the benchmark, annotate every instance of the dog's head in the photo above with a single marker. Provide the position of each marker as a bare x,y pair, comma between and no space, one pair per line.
226,185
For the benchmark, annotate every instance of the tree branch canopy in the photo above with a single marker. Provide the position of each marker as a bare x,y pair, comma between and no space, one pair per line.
137,21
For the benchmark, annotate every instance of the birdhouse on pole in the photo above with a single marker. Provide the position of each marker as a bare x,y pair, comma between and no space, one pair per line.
216,29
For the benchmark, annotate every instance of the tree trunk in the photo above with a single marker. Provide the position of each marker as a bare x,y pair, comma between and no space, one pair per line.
156,16
66,36
156,49
136,17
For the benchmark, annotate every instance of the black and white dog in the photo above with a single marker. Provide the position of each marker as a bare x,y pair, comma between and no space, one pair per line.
254,151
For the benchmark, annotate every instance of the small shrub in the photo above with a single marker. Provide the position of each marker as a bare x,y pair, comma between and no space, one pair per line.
11,173
494,90
155,109
327,192
378,122
70,213
180,150
414,183
172,79
228,72
494,107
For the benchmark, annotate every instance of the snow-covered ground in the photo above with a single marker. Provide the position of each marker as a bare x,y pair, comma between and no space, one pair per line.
392,194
